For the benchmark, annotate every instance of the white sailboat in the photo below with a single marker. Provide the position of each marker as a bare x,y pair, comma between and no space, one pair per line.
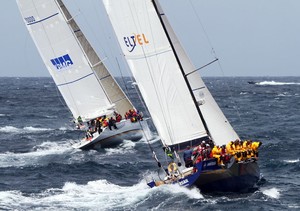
182,108
87,87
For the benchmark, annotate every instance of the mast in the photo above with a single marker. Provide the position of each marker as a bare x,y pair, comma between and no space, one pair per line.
181,68
75,29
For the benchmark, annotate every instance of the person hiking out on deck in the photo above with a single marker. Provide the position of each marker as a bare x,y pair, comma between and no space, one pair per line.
112,122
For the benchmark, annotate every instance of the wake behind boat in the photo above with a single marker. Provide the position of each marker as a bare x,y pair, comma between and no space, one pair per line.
182,109
252,82
86,85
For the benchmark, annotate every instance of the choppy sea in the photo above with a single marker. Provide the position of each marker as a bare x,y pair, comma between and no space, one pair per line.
39,170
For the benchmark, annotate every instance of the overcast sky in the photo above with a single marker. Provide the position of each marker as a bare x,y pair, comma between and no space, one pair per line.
251,38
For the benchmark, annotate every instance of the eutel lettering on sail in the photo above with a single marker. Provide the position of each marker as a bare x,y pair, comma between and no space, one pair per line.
62,62
133,40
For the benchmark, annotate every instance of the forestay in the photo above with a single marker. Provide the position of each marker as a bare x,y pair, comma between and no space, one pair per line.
84,82
219,127
153,64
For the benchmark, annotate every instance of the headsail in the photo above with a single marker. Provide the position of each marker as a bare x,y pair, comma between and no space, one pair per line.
161,80
83,80
219,127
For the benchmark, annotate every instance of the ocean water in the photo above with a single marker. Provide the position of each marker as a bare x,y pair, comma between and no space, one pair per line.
39,170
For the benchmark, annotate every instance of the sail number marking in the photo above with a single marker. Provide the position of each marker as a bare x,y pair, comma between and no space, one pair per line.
183,182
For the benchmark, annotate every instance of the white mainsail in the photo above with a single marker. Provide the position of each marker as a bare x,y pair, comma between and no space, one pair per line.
152,60
84,82
153,64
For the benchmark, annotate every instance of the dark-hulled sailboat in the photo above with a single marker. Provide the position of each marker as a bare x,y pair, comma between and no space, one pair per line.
182,108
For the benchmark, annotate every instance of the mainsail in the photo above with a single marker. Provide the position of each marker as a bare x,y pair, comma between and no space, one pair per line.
84,82
180,104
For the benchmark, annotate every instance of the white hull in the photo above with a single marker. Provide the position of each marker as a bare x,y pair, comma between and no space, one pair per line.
110,138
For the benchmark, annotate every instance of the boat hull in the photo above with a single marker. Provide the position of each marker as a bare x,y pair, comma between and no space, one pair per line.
126,130
239,177
210,177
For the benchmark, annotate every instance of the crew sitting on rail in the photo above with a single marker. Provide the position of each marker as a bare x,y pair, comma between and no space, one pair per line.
202,152
112,122
118,117
133,115
221,154
243,150
89,134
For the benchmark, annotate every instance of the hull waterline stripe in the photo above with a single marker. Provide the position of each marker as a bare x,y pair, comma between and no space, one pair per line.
42,19
75,80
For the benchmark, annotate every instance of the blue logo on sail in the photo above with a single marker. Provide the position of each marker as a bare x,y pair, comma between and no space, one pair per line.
62,62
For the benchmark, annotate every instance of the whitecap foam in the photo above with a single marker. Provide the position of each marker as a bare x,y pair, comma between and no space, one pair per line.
155,138
273,193
12,129
35,157
93,195
291,161
36,129
274,83
126,147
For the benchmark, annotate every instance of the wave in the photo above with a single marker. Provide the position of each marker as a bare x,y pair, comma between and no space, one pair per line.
95,195
36,157
273,193
291,161
30,129
11,129
125,148
276,83
154,139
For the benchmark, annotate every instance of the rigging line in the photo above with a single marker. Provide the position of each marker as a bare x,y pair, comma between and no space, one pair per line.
137,23
122,77
201,67
57,90
188,85
169,129
214,53
155,91
58,4
202,26
103,69
231,95
104,31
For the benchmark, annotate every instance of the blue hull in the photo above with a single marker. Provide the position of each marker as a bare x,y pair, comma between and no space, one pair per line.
209,177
